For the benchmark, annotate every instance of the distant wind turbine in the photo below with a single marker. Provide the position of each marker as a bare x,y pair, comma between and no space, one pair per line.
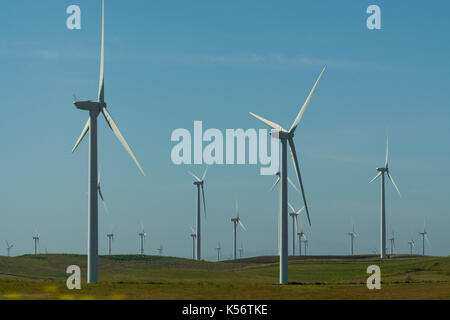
36,238
95,108
200,185
382,172
236,221
352,237
142,235
294,214
287,136
411,245
301,236
8,248
160,250
241,251
424,237
392,240
110,240
218,251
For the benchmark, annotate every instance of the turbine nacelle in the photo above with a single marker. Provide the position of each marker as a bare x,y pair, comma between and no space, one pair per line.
281,134
382,169
90,105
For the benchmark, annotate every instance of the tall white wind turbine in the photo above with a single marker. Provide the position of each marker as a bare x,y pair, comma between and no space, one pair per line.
287,136
95,108
381,172
294,214
8,248
200,185
160,250
236,221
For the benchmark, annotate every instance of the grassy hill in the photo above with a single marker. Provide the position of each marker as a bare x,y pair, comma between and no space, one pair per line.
153,277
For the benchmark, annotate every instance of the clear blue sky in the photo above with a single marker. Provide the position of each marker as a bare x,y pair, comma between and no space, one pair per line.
170,63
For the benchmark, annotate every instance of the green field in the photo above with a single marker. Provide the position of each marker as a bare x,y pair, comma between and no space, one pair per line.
154,277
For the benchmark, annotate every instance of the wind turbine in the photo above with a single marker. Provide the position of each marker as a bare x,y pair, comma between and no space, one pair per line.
352,237
424,237
160,250
218,251
200,185
193,235
110,239
294,214
36,242
382,172
241,251
411,245
142,235
236,221
287,136
301,236
95,108
392,240
8,248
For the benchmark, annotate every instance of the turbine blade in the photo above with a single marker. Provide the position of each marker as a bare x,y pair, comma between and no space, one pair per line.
119,136
300,211
101,86
195,177
305,105
237,209
387,153
393,182
242,225
290,206
204,204
100,193
276,182
379,174
83,133
293,185
268,122
204,173
299,177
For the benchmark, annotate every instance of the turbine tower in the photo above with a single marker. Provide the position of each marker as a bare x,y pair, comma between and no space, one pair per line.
95,108
160,250
411,245
8,248
287,136
142,235
236,221
294,214
218,251
193,235
392,240
352,237
382,172
200,185
110,239
36,242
